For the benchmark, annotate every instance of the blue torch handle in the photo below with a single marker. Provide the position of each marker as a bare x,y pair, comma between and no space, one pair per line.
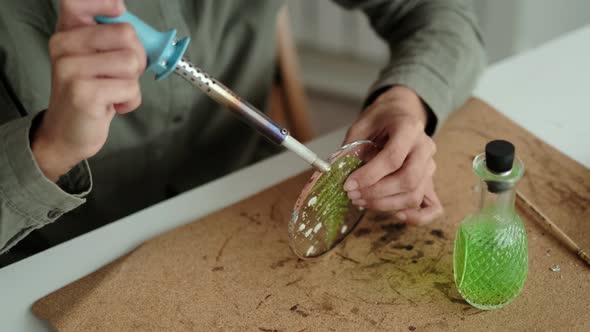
163,50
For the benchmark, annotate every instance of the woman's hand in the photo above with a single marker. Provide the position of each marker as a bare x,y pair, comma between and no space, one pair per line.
400,177
95,75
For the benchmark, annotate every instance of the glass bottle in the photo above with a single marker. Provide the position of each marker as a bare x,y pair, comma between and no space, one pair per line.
491,254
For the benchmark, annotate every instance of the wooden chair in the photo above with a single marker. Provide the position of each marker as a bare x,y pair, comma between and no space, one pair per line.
288,102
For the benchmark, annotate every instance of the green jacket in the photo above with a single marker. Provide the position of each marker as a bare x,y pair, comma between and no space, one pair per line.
179,138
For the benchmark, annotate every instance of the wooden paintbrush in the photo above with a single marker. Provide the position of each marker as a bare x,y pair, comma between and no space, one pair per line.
553,228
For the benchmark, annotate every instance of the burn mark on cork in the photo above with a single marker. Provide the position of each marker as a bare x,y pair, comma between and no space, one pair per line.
407,247
392,232
298,311
280,263
362,232
437,233
381,217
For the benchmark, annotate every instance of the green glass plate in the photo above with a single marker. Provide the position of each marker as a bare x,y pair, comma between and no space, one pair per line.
323,214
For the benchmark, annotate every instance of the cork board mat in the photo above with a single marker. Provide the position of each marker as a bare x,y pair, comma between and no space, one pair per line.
233,270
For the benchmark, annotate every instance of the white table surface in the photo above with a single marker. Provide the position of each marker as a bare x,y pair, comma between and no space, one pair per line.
547,91
543,90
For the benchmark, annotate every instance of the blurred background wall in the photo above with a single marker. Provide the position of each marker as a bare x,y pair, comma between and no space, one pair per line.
340,55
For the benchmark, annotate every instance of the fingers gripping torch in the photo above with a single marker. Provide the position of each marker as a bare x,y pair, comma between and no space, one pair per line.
165,55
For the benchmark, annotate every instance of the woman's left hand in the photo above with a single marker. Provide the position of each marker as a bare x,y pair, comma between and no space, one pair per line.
400,177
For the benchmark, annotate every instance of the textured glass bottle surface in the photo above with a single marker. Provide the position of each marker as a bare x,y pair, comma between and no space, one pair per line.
490,259
491,250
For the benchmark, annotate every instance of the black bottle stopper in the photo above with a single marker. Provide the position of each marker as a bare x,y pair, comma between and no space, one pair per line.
499,156
499,160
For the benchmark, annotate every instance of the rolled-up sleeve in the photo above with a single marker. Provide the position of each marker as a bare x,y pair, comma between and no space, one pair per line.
28,200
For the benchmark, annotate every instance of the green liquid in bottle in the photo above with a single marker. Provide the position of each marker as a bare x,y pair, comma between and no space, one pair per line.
491,251
490,259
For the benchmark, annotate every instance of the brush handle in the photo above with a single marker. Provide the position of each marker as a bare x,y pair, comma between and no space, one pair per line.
163,50
554,229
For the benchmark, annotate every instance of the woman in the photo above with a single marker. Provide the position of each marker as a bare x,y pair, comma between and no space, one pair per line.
87,140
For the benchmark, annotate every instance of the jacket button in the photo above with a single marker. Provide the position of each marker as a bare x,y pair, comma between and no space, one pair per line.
54,214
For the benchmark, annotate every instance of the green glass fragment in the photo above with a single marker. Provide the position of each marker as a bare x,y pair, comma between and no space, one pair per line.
331,201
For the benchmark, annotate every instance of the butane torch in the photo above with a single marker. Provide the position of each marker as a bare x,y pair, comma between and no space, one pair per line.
165,55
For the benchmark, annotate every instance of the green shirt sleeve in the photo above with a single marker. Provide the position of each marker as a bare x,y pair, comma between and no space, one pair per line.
28,200
435,46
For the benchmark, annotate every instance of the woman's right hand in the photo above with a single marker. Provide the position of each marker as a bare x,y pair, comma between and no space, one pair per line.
95,75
